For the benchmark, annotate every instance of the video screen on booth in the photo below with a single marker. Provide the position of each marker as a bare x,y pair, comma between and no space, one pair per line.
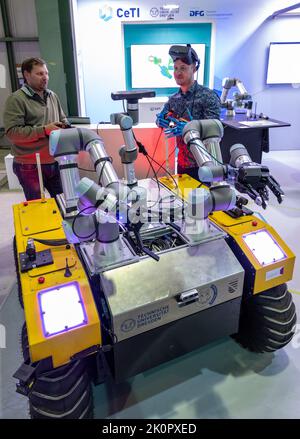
284,63
152,67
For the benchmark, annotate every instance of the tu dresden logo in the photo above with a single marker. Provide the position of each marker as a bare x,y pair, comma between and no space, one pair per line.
128,325
154,12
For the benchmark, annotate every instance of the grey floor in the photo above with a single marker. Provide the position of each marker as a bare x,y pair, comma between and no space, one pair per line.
220,380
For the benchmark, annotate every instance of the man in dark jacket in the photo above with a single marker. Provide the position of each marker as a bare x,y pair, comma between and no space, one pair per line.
30,114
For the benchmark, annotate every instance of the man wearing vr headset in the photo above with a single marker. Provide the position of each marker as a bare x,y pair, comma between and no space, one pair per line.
192,101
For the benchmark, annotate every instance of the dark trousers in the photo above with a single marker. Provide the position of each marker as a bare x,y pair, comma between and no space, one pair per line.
29,179
192,172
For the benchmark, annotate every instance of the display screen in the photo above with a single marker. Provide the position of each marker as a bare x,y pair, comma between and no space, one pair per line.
264,247
152,67
61,308
284,63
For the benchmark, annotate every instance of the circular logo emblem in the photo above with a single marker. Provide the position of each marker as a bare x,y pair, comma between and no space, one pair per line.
154,12
128,325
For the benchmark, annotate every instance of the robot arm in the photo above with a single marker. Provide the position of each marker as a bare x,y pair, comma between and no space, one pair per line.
240,98
248,177
81,198
227,83
128,152
243,94
202,139
252,178
65,146
101,208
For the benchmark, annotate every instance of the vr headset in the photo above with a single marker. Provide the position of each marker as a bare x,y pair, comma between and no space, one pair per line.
185,53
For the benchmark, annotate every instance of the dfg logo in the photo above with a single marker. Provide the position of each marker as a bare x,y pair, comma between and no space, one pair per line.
196,13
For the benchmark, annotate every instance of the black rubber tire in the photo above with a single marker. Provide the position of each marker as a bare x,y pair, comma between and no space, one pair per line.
267,321
63,393
18,273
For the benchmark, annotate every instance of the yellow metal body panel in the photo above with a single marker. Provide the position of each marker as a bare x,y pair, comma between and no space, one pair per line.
184,184
36,218
267,276
225,220
61,347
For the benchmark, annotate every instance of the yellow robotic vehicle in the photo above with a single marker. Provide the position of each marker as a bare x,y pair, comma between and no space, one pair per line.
125,275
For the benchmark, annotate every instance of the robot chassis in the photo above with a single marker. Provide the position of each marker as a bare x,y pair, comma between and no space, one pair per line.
121,276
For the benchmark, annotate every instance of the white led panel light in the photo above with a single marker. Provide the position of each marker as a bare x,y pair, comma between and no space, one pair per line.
61,309
264,247
284,63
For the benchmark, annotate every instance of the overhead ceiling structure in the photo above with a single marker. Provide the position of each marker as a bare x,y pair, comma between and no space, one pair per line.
290,11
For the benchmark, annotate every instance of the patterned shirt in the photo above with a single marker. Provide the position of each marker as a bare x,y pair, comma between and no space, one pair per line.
203,103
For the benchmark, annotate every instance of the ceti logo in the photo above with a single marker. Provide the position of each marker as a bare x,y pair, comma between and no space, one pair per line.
128,13
105,13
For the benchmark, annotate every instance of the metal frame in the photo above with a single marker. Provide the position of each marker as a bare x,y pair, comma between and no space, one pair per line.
286,11
9,46
9,40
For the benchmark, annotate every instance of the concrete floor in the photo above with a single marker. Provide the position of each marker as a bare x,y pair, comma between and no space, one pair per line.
220,380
